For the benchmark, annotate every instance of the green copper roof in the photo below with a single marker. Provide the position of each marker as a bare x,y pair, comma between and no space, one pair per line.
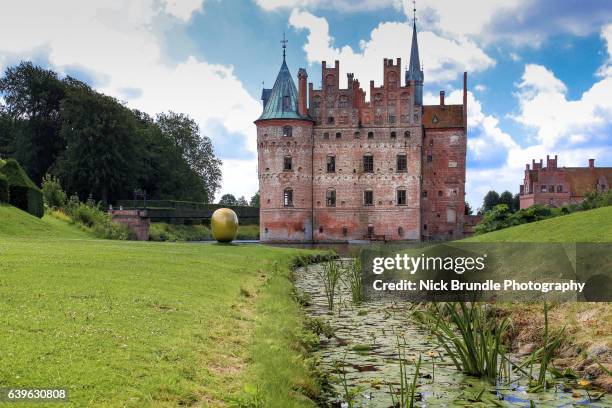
282,101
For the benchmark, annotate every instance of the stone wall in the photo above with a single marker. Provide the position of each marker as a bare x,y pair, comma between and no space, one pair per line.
136,220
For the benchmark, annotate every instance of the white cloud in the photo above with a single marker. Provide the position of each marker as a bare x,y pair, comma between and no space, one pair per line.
116,43
183,9
343,5
480,88
443,59
237,178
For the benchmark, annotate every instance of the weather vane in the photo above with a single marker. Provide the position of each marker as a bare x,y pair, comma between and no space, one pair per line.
284,42
414,10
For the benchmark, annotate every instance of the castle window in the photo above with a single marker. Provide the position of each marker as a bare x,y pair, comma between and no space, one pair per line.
326,135
400,231
393,135
330,120
356,134
543,188
402,163
440,193
344,231
391,118
407,134
424,227
431,142
320,230
451,215
370,231
287,131
370,135
330,198
424,194
551,188
338,135
368,163
287,165
429,158
401,197
368,198
288,197
559,188
343,103
331,164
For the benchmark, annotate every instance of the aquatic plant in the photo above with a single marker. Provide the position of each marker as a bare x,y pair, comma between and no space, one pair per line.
472,340
544,354
406,394
330,276
354,281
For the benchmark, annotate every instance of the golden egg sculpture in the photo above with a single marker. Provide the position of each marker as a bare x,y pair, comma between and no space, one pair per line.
224,225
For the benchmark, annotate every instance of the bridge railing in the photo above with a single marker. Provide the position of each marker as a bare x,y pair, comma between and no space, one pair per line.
168,210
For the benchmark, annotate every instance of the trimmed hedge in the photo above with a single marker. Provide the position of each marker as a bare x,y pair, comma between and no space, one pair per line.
4,189
23,193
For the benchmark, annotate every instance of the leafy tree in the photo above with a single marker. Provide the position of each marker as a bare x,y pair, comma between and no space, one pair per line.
242,201
516,203
100,136
468,209
195,148
52,191
255,200
507,198
7,133
32,98
490,201
228,199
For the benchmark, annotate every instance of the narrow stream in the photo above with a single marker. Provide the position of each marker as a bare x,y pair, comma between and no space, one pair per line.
364,351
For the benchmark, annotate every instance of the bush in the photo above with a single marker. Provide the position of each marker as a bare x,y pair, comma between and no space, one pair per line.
23,193
4,189
52,191
99,222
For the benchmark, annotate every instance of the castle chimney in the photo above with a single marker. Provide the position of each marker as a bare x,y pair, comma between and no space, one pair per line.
302,93
527,166
442,98
591,163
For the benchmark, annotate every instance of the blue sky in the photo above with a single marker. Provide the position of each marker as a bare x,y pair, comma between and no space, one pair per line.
540,72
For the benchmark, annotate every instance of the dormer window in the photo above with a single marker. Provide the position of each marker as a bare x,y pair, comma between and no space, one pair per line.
286,103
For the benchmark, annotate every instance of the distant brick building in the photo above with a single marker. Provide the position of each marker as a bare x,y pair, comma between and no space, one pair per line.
558,186
335,167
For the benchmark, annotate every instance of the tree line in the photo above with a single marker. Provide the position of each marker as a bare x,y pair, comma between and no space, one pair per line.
96,146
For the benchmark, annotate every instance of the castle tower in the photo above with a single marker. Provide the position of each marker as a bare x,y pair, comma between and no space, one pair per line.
414,74
284,146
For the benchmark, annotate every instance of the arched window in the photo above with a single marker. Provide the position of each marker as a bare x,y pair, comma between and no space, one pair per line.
288,197
287,131
330,198
400,231
407,134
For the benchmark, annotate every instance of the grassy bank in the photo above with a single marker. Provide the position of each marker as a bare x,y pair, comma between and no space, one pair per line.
587,324
164,232
146,324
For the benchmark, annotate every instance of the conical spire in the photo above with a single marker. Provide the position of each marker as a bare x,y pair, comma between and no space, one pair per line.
281,102
415,73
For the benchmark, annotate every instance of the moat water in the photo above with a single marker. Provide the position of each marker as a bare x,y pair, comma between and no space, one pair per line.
362,358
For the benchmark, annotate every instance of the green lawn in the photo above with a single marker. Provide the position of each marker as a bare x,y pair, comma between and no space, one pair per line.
146,324
584,226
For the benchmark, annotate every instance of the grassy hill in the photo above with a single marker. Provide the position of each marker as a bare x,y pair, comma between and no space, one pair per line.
19,224
146,324
584,226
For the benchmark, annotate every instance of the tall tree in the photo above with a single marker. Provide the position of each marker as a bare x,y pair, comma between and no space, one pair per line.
242,201
228,199
507,198
490,201
100,136
33,97
516,203
468,209
195,148
255,200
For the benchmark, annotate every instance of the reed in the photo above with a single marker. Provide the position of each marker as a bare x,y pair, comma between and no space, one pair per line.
354,281
330,276
406,393
471,339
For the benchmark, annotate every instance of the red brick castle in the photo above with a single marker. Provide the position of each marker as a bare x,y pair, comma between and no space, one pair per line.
335,167
559,186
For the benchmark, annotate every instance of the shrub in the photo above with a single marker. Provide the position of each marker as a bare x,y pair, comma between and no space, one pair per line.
4,189
99,222
23,193
52,191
